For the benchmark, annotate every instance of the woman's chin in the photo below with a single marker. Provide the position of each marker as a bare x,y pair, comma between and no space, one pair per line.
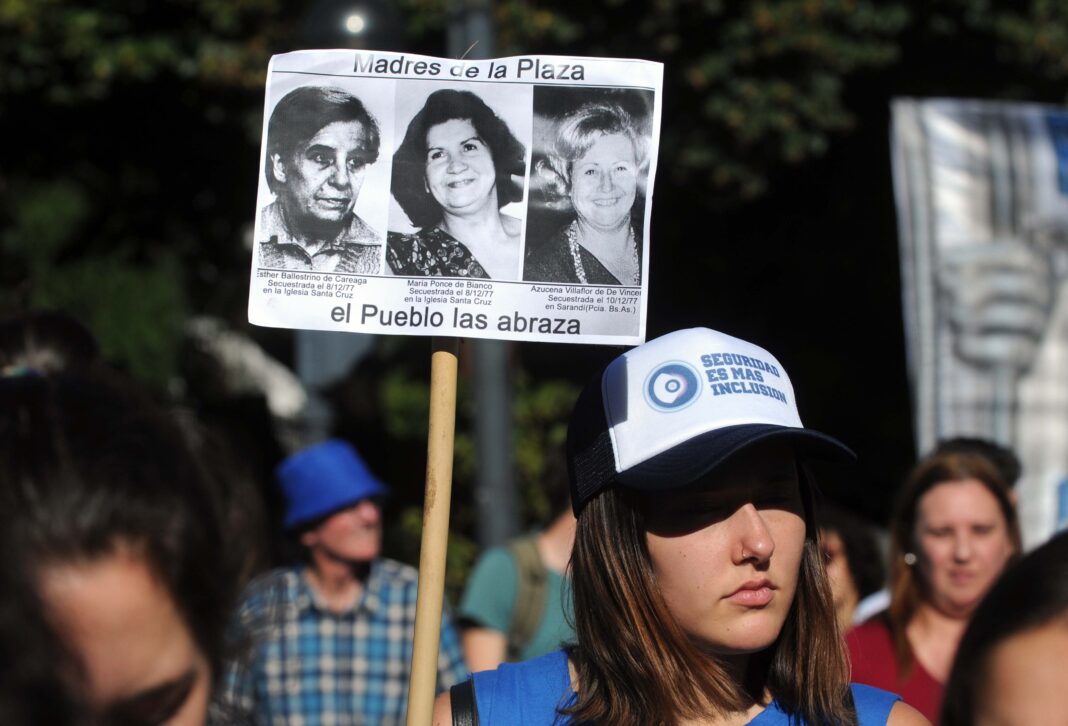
606,222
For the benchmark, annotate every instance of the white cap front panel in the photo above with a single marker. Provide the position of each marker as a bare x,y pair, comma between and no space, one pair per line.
689,382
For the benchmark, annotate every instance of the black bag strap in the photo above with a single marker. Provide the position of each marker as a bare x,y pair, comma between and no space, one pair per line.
464,708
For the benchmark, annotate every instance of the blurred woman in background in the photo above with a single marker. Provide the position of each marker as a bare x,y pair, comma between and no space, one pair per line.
854,563
954,532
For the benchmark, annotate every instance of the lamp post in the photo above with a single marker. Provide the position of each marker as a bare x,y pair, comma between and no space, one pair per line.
471,32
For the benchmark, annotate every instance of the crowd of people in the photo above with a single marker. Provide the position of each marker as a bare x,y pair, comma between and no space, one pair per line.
691,575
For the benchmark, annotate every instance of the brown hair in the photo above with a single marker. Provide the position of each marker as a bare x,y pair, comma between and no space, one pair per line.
635,664
905,584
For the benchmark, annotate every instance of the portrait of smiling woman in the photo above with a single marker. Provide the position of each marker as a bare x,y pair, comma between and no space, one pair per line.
700,596
594,164
458,165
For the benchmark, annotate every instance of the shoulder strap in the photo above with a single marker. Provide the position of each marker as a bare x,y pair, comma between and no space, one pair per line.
530,595
464,708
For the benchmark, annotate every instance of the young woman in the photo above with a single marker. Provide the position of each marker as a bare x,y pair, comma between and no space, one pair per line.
700,595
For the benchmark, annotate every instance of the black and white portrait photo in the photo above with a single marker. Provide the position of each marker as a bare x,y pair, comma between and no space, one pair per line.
321,143
458,182
587,204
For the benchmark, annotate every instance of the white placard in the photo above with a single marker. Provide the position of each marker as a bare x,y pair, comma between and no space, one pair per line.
506,198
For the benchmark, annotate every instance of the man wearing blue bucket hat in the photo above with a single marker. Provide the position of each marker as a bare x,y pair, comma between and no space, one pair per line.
330,641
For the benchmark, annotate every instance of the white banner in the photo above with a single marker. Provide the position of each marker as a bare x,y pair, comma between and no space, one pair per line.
982,196
506,198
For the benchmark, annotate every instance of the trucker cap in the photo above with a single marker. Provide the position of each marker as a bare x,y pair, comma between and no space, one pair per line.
666,413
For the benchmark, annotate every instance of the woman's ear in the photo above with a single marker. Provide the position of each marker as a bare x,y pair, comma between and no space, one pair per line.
278,168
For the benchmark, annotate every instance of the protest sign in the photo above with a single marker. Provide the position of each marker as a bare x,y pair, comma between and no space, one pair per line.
982,197
506,198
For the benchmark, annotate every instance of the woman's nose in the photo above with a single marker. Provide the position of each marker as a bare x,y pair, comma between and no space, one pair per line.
605,182
754,542
456,164
340,177
962,546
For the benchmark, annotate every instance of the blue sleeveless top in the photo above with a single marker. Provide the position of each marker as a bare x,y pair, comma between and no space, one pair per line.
530,694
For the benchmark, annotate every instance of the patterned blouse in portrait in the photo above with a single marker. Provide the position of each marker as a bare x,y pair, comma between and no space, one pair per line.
430,252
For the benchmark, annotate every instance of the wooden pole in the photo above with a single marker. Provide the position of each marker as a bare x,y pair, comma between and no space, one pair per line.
422,687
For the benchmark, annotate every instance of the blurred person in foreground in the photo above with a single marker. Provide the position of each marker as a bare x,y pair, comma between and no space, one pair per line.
329,641
320,142
517,602
111,524
1009,669
1002,458
853,561
700,594
954,531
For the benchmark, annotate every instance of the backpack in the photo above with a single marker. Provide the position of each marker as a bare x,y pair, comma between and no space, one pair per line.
531,593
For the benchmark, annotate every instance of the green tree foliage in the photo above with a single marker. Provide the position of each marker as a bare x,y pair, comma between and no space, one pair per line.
110,111
751,86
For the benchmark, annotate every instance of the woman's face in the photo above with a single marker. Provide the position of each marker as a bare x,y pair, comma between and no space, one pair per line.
324,176
604,181
140,661
727,552
459,168
843,588
963,544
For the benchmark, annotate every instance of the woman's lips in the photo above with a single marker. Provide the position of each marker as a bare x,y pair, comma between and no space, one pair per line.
755,594
961,576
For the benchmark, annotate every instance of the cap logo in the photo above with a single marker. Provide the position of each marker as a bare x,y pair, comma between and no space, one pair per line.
672,386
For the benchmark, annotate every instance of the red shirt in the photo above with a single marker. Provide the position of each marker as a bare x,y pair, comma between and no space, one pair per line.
872,651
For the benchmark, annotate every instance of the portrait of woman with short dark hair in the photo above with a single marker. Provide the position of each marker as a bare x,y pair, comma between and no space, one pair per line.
457,167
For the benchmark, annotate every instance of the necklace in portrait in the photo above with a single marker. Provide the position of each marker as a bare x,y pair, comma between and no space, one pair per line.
634,263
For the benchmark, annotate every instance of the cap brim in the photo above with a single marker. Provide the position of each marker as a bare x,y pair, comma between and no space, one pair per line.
689,461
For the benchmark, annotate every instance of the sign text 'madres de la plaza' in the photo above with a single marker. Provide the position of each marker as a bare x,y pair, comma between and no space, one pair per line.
506,198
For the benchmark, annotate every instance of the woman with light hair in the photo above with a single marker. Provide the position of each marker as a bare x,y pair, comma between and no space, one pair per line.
599,161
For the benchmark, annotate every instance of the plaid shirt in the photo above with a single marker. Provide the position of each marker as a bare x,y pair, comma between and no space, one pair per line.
305,665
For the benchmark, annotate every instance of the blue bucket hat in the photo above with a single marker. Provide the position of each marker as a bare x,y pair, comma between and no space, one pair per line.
322,479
